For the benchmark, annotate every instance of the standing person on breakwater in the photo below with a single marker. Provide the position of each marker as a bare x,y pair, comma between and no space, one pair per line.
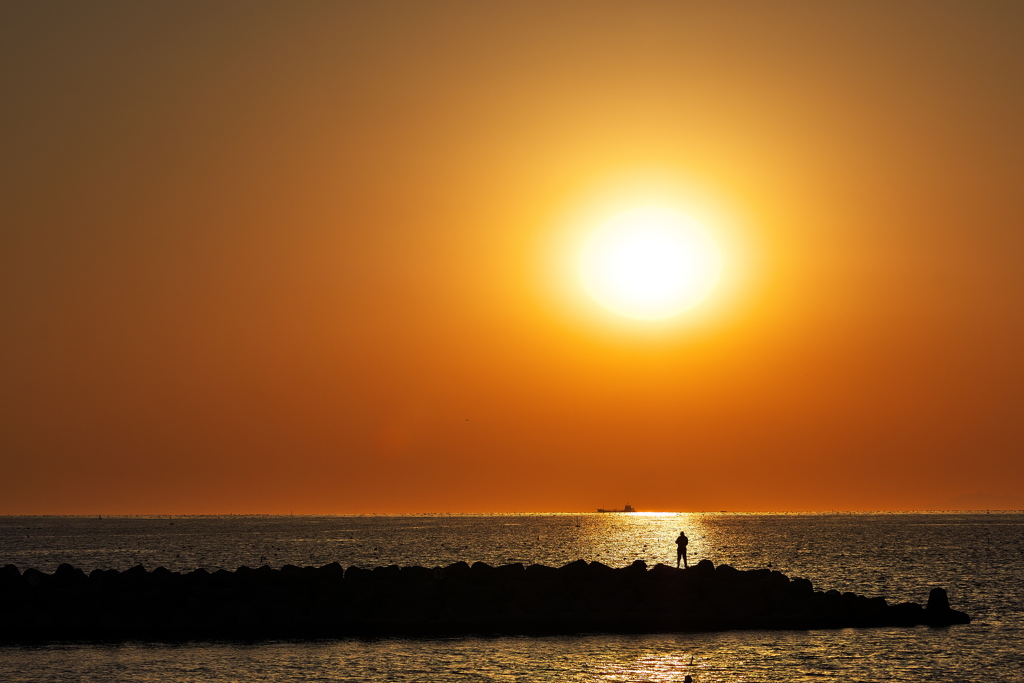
681,544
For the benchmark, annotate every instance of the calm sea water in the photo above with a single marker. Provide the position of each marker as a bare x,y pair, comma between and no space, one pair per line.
978,558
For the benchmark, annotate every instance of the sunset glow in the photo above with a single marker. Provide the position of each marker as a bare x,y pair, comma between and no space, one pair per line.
346,257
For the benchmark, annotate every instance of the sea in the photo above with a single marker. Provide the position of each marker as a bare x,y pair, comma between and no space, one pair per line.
977,557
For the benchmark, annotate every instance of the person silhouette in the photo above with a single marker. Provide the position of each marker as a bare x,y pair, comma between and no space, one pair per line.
681,543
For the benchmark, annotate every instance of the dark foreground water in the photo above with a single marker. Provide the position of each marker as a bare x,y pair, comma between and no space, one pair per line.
978,558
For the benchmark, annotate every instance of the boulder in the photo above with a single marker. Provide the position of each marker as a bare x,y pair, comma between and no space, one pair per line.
939,613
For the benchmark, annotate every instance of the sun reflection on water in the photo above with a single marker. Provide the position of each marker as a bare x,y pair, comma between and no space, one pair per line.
620,539
651,668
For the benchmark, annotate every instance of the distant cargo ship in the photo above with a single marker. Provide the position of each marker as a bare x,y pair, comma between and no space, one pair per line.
628,508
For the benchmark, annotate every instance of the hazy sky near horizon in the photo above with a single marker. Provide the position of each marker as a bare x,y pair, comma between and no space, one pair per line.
321,256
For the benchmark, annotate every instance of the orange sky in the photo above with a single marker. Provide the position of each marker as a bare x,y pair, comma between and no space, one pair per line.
319,256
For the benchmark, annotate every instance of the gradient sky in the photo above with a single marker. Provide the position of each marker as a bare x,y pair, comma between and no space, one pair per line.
320,256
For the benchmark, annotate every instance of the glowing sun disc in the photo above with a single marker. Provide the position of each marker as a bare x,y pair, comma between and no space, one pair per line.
649,264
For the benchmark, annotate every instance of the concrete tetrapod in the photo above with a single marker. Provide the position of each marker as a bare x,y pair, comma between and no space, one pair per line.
331,601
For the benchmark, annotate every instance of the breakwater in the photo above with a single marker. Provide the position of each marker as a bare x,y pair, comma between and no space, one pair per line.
331,601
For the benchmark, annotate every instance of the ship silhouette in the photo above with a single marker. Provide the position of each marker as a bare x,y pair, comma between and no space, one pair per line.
628,508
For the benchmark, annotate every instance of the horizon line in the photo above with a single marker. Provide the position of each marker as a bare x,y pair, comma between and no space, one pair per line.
635,513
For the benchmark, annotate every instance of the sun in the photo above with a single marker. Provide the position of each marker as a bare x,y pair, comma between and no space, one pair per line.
650,263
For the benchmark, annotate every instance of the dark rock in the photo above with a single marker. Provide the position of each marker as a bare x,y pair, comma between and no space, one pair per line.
727,573
510,571
416,574
937,600
481,570
34,578
703,569
10,577
161,576
938,611
358,574
100,577
66,574
458,569
801,588
540,572
389,573
574,571
332,572
637,569
136,576
876,606
663,572
311,602
222,576
197,578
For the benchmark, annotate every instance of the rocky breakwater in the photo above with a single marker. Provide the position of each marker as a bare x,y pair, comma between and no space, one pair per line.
331,601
